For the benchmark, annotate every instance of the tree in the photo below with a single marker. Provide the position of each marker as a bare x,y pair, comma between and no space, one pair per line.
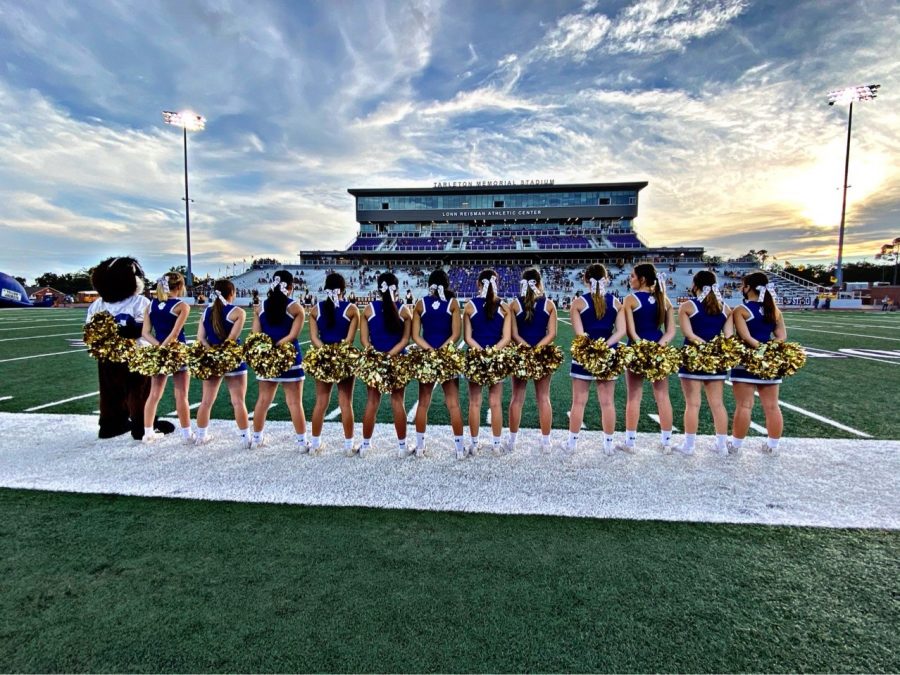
69,283
21,280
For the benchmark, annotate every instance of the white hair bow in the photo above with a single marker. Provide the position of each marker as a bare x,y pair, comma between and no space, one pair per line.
392,288
333,294
439,289
278,284
219,296
706,290
661,279
762,291
488,283
525,285
164,282
598,286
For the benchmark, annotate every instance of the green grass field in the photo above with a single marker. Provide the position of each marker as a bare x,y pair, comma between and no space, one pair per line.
94,583
851,390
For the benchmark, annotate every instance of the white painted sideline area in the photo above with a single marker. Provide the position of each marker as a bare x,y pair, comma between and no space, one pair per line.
815,482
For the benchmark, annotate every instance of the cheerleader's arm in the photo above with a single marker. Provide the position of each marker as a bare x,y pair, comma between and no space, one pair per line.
417,326
684,319
508,324
147,333
314,328
780,332
364,327
550,337
407,330
620,329
455,323
740,325
728,328
296,326
627,309
353,314
467,328
670,324
239,316
575,315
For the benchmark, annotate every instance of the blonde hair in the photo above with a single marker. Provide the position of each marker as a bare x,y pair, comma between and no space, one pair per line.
174,280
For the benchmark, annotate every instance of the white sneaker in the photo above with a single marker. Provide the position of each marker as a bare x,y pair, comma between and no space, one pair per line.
302,445
364,450
732,449
202,440
403,453
420,451
497,449
151,437
684,450
508,447
315,451
472,449
766,450
257,444
352,450
609,450
721,451
189,439
245,442
546,448
625,447
461,453
665,448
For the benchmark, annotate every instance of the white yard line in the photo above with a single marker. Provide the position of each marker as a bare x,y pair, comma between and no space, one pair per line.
333,414
38,356
836,332
655,418
820,418
5,398
411,415
174,413
834,324
250,416
66,324
65,400
758,427
37,337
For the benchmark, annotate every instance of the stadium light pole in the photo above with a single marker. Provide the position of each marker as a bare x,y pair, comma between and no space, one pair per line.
188,121
865,92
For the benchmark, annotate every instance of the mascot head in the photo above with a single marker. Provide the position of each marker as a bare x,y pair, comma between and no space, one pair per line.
116,279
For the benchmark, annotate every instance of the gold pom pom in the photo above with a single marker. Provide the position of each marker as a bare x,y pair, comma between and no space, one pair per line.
159,360
207,362
597,357
104,343
536,363
382,371
435,365
490,365
652,360
266,358
331,363
774,360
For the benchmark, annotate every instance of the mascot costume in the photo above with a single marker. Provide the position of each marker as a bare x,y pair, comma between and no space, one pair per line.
120,283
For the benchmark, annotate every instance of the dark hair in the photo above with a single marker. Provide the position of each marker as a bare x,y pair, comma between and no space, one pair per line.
530,297
770,311
440,278
710,302
390,313
226,288
333,282
491,301
598,272
276,302
647,272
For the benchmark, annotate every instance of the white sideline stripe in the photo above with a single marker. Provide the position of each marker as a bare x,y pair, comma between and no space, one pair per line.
854,355
816,416
487,416
333,414
37,337
411,415
835,332
65,400
250,416
655,418
174,413
54,325
38,356
849,325
758,427
5,398
569,415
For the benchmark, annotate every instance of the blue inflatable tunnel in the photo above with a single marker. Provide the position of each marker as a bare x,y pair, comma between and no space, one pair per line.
12,294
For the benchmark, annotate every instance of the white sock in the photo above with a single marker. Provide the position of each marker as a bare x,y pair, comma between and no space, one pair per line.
420,439
573,440
607,441
401,443
545,440
242,432
257,436
148,431
315,441
348,443
772,442
201,432
496,440
665,435
473,440
186,432
306,437
721,441
689,440
737,442
458,442
512,438
630,437
300,439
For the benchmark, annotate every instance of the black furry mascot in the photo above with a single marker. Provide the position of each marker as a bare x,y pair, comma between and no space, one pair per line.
120,283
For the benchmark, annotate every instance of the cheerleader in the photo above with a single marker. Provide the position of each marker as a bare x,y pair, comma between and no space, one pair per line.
757,320
387,328
332,321
648,316
436,324
281,318
487,322
597,314
701,319
166,325
535,326
223,321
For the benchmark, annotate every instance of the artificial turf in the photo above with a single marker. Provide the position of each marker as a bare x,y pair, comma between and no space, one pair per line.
106,583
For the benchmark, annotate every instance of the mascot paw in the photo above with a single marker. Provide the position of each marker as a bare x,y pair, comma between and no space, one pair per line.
113,429
163,427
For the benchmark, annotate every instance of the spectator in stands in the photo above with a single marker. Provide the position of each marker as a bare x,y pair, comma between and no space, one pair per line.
703,317
885,303
649,315
487,322
816,302
409,299
534,326
596,314
331,321
386,326
437,324
254,297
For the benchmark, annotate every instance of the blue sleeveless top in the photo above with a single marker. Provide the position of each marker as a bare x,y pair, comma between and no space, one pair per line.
437,320
535,330
646,324
760,329
706,326
278,330
486,332
603,327
338,332
163,317
382,339
214,339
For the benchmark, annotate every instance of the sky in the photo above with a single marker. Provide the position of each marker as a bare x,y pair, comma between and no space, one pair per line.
721,105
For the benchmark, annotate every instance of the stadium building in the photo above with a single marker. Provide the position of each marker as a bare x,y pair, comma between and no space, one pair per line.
508,225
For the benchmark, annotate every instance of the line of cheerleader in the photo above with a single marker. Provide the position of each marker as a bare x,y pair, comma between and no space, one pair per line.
487,324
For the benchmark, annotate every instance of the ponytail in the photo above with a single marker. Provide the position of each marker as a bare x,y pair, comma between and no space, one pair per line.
491,302
389,312
770,311
277,300
711,303
223,288
593,275
166,283
335,285
647,272
754,281
531,294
